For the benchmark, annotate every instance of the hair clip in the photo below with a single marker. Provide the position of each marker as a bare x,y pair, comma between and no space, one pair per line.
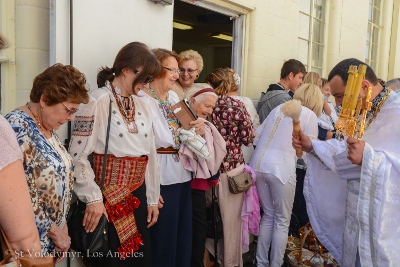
236,79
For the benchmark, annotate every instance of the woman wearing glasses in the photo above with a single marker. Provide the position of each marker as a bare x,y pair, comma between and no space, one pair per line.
131,183
54,98
171,237
190,66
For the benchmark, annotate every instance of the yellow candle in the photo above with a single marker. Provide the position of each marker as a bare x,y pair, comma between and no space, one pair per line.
349,87
357,86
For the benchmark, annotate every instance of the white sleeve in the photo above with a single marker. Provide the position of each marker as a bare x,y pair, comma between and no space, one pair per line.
152,176
88,120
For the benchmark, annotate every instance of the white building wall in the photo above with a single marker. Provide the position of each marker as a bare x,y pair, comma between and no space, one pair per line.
102,28
31,45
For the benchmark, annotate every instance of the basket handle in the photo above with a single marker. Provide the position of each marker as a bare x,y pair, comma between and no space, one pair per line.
302,244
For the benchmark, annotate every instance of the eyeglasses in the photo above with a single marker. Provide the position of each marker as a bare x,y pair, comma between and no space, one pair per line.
148,79
190,71
70,111
173,70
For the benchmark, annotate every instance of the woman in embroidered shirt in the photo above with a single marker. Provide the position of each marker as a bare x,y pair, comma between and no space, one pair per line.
274,161
236,127
54,98
132,174
171,237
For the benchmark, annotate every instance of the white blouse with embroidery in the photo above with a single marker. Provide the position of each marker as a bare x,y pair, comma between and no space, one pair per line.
89,135
171,169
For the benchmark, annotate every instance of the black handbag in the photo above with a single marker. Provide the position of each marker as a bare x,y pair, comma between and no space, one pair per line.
214,219
89,244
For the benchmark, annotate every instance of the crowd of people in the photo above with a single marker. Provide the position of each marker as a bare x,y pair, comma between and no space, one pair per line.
156,186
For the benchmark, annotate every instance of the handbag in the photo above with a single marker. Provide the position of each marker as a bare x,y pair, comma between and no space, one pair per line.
239,183
19,260
214,219
89,244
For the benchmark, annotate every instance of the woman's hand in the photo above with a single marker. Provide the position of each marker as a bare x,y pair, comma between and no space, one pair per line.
152,215
60,237
160,202
92,216
198,126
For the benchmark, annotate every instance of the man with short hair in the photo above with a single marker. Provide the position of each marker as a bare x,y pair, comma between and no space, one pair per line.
292,73
352,187
394,84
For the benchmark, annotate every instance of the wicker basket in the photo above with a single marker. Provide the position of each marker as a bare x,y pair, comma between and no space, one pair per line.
302,256
311,242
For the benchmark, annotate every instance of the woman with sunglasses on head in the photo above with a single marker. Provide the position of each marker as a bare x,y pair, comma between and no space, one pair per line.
171,237
54,98
190,66
131,189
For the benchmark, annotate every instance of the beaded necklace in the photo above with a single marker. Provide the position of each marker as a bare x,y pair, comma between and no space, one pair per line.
127,111
37,121
173,123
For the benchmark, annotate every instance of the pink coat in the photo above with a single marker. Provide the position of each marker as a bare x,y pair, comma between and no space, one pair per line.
201,168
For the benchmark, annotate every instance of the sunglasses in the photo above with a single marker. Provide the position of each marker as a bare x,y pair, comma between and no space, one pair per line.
190,71
148,79
70,111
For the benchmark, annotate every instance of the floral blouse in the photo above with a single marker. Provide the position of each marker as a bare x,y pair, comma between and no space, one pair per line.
236,127
49,178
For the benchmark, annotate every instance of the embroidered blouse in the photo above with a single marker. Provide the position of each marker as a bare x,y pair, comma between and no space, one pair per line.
50,179
89,135
10,151
171,169
236,127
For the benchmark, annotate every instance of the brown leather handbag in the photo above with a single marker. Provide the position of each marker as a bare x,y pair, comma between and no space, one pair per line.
11,259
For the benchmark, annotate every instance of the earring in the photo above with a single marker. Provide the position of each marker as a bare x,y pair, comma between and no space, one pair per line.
42,108
197,76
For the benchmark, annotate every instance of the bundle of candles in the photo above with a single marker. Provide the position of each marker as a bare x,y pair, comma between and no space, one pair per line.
349,122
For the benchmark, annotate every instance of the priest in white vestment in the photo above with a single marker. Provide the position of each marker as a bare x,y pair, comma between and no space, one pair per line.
352,187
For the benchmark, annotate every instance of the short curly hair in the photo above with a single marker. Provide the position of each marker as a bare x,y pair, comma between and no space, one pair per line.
60,83
191,54
222,81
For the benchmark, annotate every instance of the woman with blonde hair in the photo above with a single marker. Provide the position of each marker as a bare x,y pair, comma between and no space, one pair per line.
190,66
234,123
274,161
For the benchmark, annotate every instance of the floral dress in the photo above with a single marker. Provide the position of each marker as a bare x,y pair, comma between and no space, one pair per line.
236,127
49,177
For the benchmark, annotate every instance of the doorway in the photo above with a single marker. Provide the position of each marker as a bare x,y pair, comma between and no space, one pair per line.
206,31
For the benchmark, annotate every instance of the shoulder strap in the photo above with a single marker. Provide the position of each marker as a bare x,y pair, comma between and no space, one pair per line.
103,171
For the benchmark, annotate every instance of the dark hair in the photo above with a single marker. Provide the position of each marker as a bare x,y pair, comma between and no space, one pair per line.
341,69
131,56
60,83
161,55
292,65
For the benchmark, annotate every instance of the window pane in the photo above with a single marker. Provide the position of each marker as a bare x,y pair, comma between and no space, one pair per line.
305,6
369,32
317,53
374,52
304,26
377,3
318,31
317,70
370,11
376,16
319,9
303,51
372,64
375,35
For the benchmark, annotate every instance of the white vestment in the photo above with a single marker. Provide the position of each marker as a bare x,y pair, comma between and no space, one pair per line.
365,217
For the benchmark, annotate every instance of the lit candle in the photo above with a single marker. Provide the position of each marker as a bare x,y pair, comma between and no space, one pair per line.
349,87
357,86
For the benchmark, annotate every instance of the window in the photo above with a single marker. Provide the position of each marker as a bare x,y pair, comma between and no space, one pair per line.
312,34
374,17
